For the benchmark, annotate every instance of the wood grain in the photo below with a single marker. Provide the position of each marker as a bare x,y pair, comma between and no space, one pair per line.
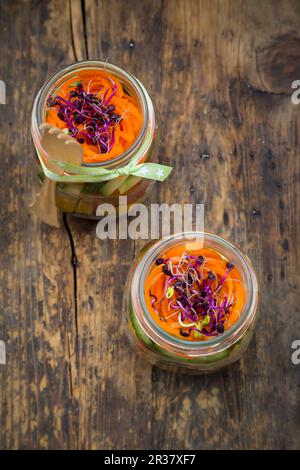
220,73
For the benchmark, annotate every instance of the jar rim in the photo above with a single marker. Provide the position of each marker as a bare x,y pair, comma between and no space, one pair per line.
134,83
160,336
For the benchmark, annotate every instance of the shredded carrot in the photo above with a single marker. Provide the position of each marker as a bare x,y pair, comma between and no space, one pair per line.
174,266
118,122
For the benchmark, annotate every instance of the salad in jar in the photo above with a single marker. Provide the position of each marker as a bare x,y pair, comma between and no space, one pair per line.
109,113
191,302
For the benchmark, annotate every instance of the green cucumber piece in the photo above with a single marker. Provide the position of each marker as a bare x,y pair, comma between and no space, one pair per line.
73,189
41,176
65,202
111,186
129,183
213,358
176,358
138,331
85,207
92,188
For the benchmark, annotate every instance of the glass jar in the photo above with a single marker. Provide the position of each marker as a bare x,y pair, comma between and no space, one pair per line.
82,199
167,351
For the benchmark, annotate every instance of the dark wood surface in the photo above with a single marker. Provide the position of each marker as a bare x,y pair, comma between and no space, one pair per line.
220,73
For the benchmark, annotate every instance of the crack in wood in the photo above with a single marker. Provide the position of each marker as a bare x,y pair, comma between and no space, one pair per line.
72,32
78,29
84,28
74,263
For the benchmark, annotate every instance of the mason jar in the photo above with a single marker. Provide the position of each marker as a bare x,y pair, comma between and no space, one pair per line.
167,351
82,199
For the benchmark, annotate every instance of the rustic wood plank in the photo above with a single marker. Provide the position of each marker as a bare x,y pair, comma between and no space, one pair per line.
78,30
36,297
219,72
213,102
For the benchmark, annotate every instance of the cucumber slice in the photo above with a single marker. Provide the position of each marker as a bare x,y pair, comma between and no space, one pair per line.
92,188
65,202
111,186
41,176
73,189
138,331
175,358
129,183
84,206
213,358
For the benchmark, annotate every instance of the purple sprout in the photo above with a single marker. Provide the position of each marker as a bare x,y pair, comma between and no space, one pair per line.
88,118
196,296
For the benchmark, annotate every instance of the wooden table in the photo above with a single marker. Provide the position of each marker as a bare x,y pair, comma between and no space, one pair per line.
220,73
